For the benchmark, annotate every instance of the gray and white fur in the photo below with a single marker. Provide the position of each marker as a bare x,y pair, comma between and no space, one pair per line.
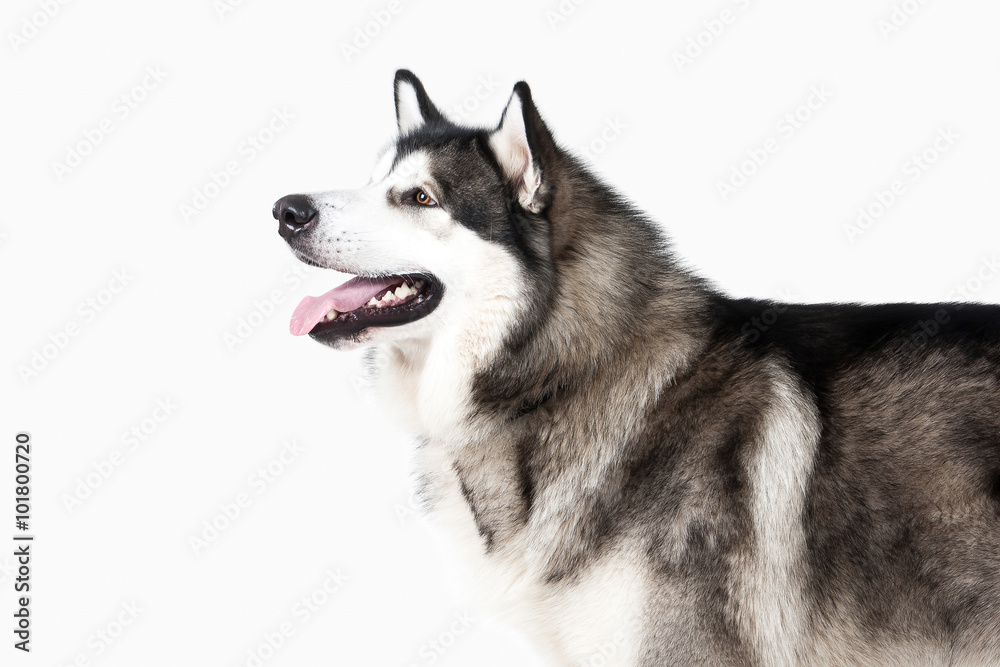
630,465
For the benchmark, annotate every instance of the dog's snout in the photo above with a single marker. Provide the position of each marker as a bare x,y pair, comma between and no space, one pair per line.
295,214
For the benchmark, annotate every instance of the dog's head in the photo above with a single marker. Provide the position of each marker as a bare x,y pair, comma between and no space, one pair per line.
449,225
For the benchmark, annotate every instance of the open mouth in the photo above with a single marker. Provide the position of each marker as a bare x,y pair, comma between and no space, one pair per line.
364,302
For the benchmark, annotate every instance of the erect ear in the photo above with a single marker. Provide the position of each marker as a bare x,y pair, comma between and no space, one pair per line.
413,107
522,144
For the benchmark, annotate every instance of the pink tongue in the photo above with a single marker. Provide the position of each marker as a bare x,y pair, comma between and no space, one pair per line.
352,294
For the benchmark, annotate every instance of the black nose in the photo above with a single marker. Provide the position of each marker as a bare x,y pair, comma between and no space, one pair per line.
294,213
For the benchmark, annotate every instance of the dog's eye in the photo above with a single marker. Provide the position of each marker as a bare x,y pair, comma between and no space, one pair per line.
423,198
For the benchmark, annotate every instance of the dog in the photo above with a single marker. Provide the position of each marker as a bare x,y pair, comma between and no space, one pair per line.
639,469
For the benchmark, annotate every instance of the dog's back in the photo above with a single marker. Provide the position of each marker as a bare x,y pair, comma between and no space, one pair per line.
879,543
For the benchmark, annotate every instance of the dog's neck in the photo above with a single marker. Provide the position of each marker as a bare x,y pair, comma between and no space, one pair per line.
491,410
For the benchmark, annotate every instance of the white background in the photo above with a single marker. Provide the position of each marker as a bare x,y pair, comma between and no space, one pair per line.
341,505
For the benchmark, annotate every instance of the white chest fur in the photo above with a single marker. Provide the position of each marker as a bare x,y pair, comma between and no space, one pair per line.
593,618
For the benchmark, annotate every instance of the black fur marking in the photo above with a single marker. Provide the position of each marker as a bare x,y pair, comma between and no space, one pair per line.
821,340
527,475
487,533
472,188
427,109
897,387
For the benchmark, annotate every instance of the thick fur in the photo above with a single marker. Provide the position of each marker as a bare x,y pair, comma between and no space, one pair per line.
645,472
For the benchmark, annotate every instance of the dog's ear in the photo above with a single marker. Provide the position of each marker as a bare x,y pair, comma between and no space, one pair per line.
522,145
414,108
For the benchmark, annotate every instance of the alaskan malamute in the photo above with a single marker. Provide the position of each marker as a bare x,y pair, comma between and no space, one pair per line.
643,470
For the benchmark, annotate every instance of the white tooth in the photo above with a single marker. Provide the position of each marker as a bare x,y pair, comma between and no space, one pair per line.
388,296
401,292
372,302
332,315
419,284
